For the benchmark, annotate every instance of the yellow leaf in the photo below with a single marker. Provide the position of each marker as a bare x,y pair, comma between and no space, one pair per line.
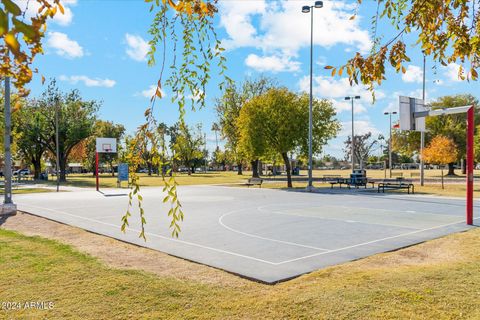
60,7
43,79
12,43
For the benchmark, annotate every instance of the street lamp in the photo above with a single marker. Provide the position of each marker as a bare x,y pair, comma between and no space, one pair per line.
309,9
390,142
352,98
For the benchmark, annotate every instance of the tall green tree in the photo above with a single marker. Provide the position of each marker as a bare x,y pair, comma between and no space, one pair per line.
228,111
277,122
76,119
30,125
188,146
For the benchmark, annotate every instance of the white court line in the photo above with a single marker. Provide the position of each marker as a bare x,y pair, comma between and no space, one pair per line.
262,208
220,221
154,235
248,257
373,241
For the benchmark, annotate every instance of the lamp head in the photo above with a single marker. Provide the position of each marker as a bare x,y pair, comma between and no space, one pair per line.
357,97
305,9
318,4
394,112
386,113
347,98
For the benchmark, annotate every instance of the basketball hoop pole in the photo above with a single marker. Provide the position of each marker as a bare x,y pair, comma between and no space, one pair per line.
470,136
96,169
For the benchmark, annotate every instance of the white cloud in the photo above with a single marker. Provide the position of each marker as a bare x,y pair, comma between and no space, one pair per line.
89,82
271,63
64,46
361,127
137,47
451,72
413,74
337,90
64,19
150,92
283,27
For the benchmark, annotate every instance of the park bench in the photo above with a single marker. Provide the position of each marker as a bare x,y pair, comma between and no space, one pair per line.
338,181
330,177
254,182
396,184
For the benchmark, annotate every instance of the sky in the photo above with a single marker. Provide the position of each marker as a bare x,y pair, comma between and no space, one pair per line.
99,48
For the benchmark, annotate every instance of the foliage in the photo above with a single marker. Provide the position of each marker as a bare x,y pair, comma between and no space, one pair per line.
103,129
30,125
190,72
23,39
228,111
188,146
277,122
448,31
405,143
441,150
76,119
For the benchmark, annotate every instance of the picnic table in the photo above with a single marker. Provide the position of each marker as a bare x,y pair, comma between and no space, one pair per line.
395,184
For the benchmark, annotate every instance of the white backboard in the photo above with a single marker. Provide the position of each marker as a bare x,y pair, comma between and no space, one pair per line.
106,145
408,106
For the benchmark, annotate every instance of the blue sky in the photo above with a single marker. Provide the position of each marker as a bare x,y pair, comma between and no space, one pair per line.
99,48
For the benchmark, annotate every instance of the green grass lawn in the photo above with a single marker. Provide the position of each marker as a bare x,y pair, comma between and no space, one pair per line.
439,279
27,190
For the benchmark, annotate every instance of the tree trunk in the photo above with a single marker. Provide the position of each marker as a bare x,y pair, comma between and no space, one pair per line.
239,169
260,168
37,168
451,169
287,168
111,168
464,166
63,173
255,169
442,178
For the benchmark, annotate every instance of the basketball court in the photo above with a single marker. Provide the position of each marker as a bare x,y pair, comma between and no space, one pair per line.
263,234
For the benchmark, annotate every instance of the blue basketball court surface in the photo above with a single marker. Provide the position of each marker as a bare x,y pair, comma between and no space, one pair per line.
263,234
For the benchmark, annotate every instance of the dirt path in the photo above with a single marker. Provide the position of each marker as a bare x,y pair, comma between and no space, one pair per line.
118,254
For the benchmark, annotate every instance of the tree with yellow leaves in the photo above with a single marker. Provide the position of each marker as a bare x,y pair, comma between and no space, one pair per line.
441,151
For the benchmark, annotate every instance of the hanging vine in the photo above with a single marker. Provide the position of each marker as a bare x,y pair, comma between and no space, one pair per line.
190,68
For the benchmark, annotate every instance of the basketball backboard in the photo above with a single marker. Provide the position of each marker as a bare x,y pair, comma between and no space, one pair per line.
408,107
106,145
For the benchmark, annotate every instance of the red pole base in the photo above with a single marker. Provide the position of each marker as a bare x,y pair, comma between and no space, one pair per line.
470,137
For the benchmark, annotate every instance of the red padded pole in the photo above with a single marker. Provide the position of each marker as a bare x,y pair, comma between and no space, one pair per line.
470,135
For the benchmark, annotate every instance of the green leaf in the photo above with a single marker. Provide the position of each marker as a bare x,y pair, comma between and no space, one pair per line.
24,28
12,7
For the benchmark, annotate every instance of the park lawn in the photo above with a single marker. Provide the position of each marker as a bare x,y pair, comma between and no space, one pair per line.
107,181
438,279
27,190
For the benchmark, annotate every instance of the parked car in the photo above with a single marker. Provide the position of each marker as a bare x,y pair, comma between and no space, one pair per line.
22,172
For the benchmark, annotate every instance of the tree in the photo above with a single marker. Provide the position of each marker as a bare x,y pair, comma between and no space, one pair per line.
30,125
228,111
277,122
364,146
440,151
188,146
103,129
76,119
448,31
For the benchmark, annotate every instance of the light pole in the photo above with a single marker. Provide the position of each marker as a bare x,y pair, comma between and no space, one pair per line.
390,142
309,9
8,206
352,98
422,133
